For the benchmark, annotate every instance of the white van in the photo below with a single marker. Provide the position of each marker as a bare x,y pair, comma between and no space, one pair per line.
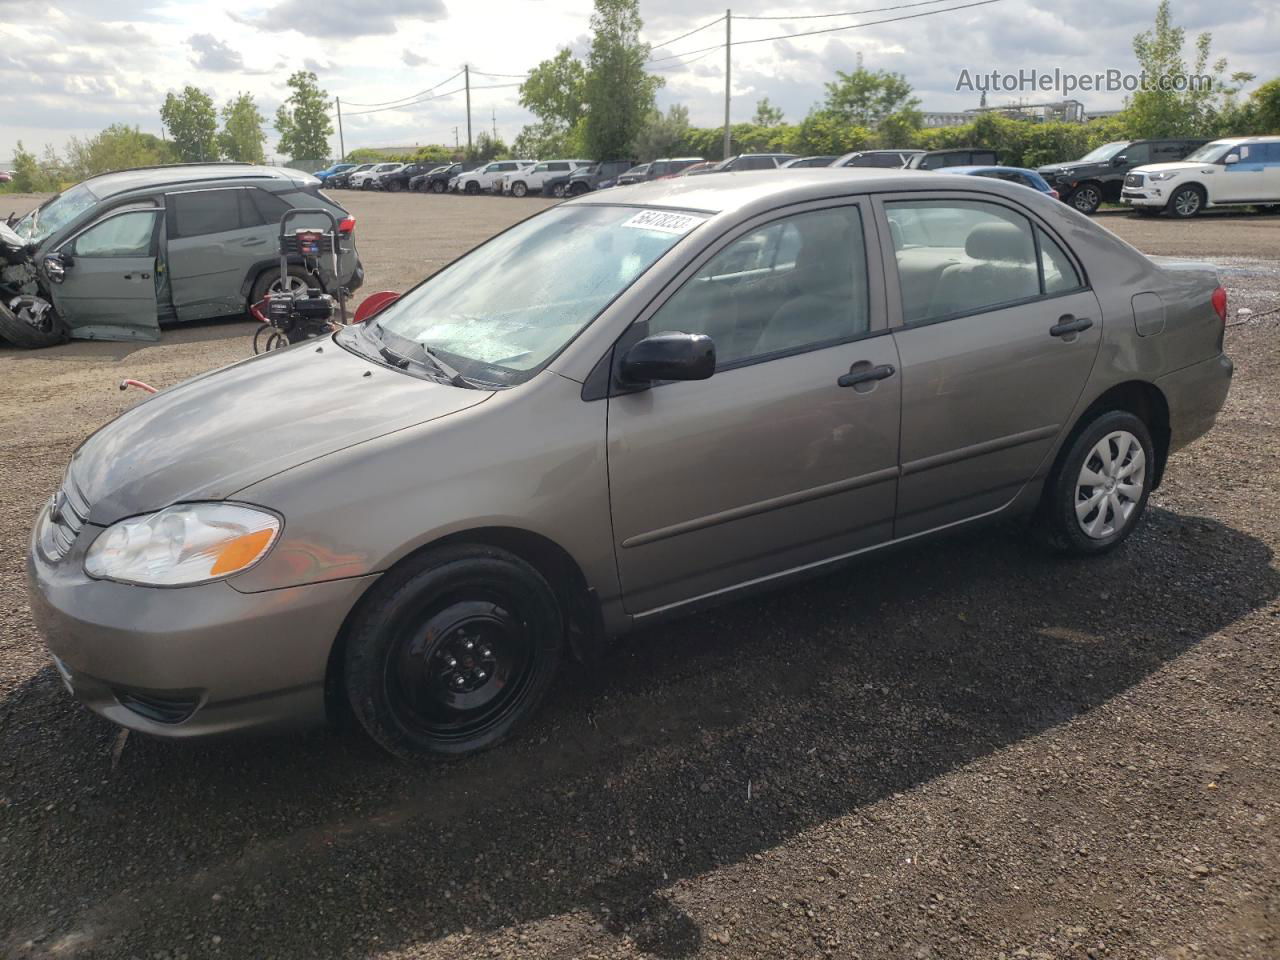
1234,171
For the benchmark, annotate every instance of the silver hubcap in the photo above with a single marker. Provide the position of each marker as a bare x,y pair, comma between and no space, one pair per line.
1187,202
292,284
1086,198
1110,484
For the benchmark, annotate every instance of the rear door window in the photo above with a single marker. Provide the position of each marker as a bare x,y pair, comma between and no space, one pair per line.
269,206
202,212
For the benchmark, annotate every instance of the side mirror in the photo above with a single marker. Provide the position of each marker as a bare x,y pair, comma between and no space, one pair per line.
55,266
1231,158
670,356
1119,161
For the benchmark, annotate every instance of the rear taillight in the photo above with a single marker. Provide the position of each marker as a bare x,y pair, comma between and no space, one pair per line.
1054,194
347,225
1220,303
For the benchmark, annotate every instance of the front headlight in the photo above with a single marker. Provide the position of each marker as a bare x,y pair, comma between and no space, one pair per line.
1163,175
184,544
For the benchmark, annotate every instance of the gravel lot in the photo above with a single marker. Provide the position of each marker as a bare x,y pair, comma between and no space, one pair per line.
965,749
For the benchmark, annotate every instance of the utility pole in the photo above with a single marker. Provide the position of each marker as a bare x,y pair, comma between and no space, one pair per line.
342,145
495,124
456,145
728,68
466,70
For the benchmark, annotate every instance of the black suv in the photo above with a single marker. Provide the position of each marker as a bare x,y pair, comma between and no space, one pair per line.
954,157
395,182
1098,176
436,180
585,179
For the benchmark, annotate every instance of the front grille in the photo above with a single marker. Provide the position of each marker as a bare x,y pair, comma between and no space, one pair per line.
68,512
161,709
1134,180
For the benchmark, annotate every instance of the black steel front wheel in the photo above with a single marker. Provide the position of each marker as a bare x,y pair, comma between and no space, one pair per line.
452,651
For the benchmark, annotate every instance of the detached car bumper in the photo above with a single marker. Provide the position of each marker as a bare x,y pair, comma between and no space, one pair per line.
187,661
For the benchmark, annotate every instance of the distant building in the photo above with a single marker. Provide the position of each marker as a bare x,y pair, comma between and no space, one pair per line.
1100,114
1061,111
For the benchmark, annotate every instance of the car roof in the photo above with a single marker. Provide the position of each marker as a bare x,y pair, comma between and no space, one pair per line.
110,184
982,168
735,190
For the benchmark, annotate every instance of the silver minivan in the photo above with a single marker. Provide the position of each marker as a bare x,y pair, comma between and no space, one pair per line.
626,407
119,254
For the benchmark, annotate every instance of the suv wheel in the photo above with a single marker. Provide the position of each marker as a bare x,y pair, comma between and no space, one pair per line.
518,189
472,187
1086,198
1094,499
451,651
578,189
439,187
268,281
1186,201
394,186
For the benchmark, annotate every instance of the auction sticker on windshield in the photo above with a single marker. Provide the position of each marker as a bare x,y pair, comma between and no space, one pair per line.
664,222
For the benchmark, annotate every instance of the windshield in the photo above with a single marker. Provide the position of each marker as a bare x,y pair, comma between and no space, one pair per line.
505,309
1104,152
1210,152
56,213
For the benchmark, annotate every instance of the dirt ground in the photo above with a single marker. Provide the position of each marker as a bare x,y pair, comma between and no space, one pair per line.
965,749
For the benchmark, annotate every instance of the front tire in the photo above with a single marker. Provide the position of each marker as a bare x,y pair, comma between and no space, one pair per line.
472,188
1186,202
31,328
518,189
439,186
1086,198
1100,489
394,186
452,651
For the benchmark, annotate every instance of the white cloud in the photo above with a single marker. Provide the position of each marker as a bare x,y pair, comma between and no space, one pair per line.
213,54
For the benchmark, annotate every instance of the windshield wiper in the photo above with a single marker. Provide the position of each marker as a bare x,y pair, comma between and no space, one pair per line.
455,377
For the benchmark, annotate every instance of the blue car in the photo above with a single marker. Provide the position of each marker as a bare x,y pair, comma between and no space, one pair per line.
1028,178
325,174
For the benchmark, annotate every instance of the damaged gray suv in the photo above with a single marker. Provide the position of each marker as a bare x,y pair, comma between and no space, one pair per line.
118,255
627,407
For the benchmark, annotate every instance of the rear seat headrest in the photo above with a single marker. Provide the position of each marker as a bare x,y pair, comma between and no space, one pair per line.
998,241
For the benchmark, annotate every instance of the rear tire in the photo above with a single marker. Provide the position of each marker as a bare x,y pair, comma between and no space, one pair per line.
21,329
269,282
1099,491
439,187
394,186
452,651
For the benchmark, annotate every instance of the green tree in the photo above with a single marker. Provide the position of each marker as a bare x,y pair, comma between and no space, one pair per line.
824,131
864,97
1264,109
118,147
242,135
303,122
546,139
767,115
619,92
662,134
556,89
28,175
1158,112
192,123
486,148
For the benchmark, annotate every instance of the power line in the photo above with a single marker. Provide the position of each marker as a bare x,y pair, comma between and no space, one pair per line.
701,56
386,103
849,13
403,106
666,43
521,76
810,33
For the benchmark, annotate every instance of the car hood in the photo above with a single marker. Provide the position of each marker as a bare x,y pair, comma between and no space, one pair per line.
1171,165
218,433
1055,169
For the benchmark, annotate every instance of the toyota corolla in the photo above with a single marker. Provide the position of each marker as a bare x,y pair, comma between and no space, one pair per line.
626,407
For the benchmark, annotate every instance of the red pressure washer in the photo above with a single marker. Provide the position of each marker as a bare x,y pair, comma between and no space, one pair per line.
291,316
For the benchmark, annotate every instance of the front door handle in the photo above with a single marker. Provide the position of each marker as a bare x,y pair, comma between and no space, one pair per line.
1067,324
139,276
854,377
253,243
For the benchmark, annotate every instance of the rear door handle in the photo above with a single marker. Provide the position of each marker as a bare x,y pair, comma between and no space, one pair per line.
882,372
253,243
1067,324
139,276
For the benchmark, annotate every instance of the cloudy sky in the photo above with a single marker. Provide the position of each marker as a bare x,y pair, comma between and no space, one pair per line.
70,67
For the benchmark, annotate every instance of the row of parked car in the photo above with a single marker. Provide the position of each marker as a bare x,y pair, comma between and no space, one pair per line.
1181,175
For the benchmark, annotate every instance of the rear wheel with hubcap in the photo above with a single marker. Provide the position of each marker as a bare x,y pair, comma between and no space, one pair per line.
297,280
1186,201
452,651
1086,198
439,186
518,189
1093,501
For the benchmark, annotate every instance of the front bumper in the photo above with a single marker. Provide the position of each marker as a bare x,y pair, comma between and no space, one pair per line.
187,661
1144,197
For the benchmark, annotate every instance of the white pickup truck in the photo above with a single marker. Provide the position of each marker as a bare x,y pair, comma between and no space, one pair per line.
530,180
489,176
